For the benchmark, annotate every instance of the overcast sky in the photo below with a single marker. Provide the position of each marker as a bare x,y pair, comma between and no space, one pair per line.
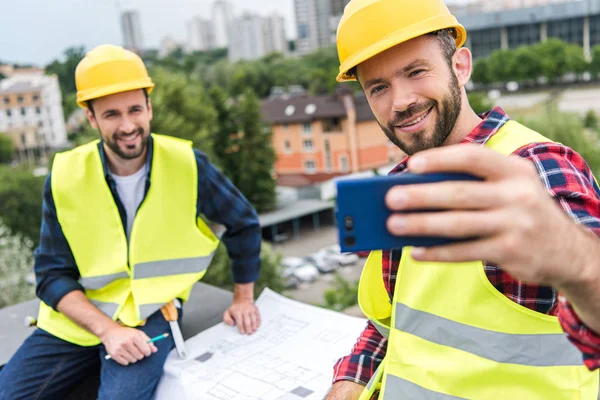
38,31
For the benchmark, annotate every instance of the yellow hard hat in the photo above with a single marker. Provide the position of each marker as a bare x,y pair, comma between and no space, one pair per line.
369,27
109,69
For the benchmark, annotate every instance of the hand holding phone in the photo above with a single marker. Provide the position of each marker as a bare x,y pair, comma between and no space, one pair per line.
362,213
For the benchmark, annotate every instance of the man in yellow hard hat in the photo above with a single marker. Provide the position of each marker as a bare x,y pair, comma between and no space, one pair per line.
122,244
483,318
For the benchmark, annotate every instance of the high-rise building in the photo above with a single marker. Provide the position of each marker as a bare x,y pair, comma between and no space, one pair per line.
31,113
222,17
274,34
337,6
167,46
336,12
313,24
132,30
200,35
247,41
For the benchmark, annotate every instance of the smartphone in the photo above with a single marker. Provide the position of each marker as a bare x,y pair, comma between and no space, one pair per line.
361,212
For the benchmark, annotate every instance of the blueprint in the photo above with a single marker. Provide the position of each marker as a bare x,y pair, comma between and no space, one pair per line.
290,357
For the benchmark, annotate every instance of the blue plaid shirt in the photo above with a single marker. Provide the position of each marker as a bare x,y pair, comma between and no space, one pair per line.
55,268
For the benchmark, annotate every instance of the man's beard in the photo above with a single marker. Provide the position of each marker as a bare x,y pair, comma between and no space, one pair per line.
447,116
113,144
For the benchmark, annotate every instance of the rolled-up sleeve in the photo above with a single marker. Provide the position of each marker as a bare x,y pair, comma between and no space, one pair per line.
55,270
221,202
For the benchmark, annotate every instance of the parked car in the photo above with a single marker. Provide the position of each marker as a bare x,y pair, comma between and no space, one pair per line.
342,258
323,263
298,268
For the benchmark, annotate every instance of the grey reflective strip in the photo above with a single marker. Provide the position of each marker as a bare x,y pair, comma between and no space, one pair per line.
147,310
542,350
384,330
400,389
179,266
375,378
98,282
107,308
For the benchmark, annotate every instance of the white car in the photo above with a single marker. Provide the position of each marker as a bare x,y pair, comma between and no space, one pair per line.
299,268
334,253
322,261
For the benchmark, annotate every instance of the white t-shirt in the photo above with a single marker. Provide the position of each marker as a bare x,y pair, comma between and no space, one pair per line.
131,191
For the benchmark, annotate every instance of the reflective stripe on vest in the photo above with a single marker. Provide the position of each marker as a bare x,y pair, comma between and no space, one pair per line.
398,388
169,248
545,350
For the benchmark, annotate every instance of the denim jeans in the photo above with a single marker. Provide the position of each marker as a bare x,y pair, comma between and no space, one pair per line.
46,367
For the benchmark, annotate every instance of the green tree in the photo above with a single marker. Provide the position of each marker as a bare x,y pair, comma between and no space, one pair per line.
590,120
576,61
341,295
479,102
227,138
500,64
554,58
482,72
7,149
21,202
257,156
65,71
526,66
181,108
219,271
595,64
16,266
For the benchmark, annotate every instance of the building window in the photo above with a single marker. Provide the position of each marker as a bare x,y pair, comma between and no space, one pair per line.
568,30
20,99
23,139
523,35
308,145
332,125
485,41
287,146
6,100
344,163
35,98
310,166
307,128
40,124
8,113
22,110
594,30
286,127
38,110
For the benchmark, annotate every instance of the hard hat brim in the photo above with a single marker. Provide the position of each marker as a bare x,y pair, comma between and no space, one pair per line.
94,93
398,37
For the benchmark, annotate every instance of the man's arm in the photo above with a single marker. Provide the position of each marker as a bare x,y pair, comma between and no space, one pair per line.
223,203
352,373
516,223
57,285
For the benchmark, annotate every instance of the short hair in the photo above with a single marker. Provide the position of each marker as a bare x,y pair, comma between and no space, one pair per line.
447,40
90,107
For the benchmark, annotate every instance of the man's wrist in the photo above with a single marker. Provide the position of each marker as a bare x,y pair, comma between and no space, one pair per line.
243,292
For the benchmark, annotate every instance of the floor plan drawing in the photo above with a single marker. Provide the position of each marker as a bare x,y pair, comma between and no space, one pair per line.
290,357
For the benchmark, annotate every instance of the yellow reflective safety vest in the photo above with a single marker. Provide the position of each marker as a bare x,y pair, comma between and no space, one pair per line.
169,249
452,335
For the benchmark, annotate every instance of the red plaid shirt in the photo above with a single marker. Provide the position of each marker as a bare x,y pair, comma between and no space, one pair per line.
570,181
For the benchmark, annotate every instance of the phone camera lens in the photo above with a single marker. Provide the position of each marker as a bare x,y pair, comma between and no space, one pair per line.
350,241
349,224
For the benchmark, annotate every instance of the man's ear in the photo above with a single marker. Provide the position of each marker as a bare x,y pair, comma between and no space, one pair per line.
91,118
462,63
150,108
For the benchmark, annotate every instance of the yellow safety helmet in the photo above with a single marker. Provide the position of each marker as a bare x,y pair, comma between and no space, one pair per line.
369,27
109,69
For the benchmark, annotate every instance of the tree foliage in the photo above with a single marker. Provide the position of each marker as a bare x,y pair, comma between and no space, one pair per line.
65,71
16,265
341,295
7,149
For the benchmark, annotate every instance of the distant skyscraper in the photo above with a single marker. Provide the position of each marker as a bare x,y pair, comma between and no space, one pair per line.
132,30
274,34
200,35
337,6
313,23
247,38
222,16
167,46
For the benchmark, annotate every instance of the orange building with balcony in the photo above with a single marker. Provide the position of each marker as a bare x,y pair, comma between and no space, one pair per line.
319,137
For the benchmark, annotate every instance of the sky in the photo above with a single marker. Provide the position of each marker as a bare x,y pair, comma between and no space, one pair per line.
38,31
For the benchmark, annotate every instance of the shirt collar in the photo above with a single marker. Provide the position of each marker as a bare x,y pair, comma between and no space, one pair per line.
148,158
491,122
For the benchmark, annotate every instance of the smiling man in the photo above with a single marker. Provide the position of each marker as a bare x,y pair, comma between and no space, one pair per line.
122,240
484,318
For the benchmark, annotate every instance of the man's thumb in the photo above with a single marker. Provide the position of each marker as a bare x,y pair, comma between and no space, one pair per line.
228,319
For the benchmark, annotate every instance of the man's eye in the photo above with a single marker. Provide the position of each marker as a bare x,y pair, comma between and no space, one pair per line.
377,89
416,72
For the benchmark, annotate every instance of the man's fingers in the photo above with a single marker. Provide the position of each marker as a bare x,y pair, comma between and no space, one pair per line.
248,323
142,344
462,195
121,360
469,158
255,315
450,224
473,250
228,319
135,350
